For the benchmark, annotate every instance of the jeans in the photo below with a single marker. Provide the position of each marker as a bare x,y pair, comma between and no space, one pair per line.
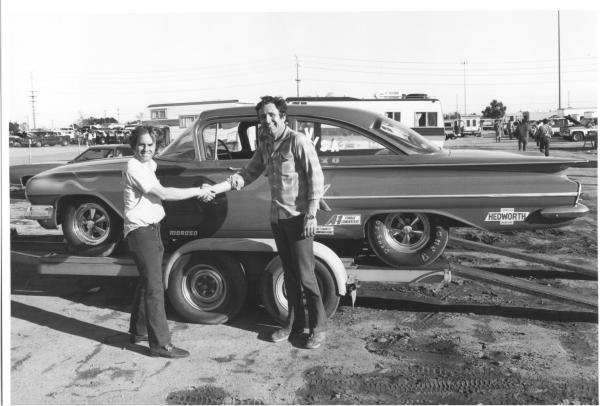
148,314
298,262
545,145
523,143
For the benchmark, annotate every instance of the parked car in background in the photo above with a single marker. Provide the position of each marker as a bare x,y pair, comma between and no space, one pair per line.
14,141
387,188
580,129
20,174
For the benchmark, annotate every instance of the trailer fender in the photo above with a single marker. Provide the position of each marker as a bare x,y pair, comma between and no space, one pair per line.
321,251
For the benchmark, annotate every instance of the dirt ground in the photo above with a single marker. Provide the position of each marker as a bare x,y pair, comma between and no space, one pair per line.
466,342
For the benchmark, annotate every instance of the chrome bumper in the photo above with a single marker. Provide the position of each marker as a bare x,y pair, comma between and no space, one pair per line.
565,212
44,214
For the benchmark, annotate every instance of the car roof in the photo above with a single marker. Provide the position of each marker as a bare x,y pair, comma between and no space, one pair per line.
360,117
106,146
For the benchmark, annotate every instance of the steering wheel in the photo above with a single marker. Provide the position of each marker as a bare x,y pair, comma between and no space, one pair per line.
220,151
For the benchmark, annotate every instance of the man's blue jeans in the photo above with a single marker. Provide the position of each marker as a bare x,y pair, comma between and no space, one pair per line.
298,261
148,314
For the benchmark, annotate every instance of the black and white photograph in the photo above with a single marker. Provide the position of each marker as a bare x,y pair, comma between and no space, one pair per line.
259,203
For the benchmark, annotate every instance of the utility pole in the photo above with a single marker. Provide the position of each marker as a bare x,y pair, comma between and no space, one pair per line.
464,64
118,116
297,77
32,100
559,96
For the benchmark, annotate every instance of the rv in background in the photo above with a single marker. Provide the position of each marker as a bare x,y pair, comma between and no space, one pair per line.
417,111
471,124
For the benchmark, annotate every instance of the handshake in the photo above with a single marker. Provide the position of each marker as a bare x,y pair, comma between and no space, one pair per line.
208,192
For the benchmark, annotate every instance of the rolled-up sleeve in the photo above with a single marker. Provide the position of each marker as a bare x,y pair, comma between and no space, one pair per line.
312,167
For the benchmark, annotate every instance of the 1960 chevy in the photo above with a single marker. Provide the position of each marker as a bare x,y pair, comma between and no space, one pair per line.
387,188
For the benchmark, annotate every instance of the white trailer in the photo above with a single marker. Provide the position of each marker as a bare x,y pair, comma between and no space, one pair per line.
419,112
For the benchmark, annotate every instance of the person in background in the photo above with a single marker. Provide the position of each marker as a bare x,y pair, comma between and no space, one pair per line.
498,129
546,136
522,133
143,195
296,181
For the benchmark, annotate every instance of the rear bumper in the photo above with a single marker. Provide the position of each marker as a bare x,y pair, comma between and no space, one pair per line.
44,214
565,212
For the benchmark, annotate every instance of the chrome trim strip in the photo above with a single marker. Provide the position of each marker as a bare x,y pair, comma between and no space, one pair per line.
494,195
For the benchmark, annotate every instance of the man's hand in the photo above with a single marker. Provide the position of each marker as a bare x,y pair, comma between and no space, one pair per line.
206,193
310,227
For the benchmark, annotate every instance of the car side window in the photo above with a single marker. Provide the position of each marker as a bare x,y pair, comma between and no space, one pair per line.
226,140
333,140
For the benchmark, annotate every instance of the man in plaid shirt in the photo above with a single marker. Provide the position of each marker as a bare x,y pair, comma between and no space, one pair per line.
295,178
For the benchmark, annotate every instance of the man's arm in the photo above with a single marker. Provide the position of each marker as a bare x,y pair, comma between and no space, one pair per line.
175,193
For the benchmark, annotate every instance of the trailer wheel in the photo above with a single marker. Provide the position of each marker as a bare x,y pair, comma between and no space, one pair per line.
91,228
273,295
208,289
406,238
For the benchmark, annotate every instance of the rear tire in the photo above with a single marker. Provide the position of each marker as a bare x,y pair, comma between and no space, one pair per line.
406,238
274,298
208,289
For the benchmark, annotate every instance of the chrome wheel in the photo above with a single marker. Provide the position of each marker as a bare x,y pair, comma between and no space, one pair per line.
406,232
91,224
203,287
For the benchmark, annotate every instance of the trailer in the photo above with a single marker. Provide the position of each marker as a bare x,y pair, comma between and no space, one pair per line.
207,280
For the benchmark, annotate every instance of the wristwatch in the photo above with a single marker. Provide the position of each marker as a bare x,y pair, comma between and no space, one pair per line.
309,216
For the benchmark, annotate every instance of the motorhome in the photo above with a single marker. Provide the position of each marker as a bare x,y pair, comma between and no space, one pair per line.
417,111
470,124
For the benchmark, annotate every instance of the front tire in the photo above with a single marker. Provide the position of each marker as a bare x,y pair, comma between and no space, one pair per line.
207,289
577,136
274,298
406,238
91,228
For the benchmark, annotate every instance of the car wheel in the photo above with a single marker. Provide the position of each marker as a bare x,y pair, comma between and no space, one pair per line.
64,143
208,289
38,144
91,228
273,294
577,136
406,238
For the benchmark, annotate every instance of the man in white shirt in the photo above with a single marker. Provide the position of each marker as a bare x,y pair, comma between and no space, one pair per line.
143,195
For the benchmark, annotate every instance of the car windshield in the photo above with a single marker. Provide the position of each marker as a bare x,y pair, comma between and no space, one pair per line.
411,139
180,149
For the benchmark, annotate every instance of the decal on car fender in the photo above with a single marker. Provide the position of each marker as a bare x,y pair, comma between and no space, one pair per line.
344,220
183,233
324,230
506,216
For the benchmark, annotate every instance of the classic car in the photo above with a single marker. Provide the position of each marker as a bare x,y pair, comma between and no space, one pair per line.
388,189
20,174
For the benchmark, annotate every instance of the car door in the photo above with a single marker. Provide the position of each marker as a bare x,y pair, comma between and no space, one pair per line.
188,162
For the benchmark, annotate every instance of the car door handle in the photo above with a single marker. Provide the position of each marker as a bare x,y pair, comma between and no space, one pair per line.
234,169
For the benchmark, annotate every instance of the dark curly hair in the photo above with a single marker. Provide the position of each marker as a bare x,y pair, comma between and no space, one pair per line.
279,102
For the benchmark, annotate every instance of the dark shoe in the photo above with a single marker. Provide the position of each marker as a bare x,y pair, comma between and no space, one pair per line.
169,351
315,340
283,334
136,338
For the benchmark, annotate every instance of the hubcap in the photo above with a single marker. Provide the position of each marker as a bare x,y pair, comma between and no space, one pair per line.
407,232
203,287
91,224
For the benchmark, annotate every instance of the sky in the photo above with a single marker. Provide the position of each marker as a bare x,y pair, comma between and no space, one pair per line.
116,59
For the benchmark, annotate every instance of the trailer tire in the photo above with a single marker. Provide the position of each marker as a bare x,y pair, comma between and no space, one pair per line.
406,238
207,289
91,228
273,296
